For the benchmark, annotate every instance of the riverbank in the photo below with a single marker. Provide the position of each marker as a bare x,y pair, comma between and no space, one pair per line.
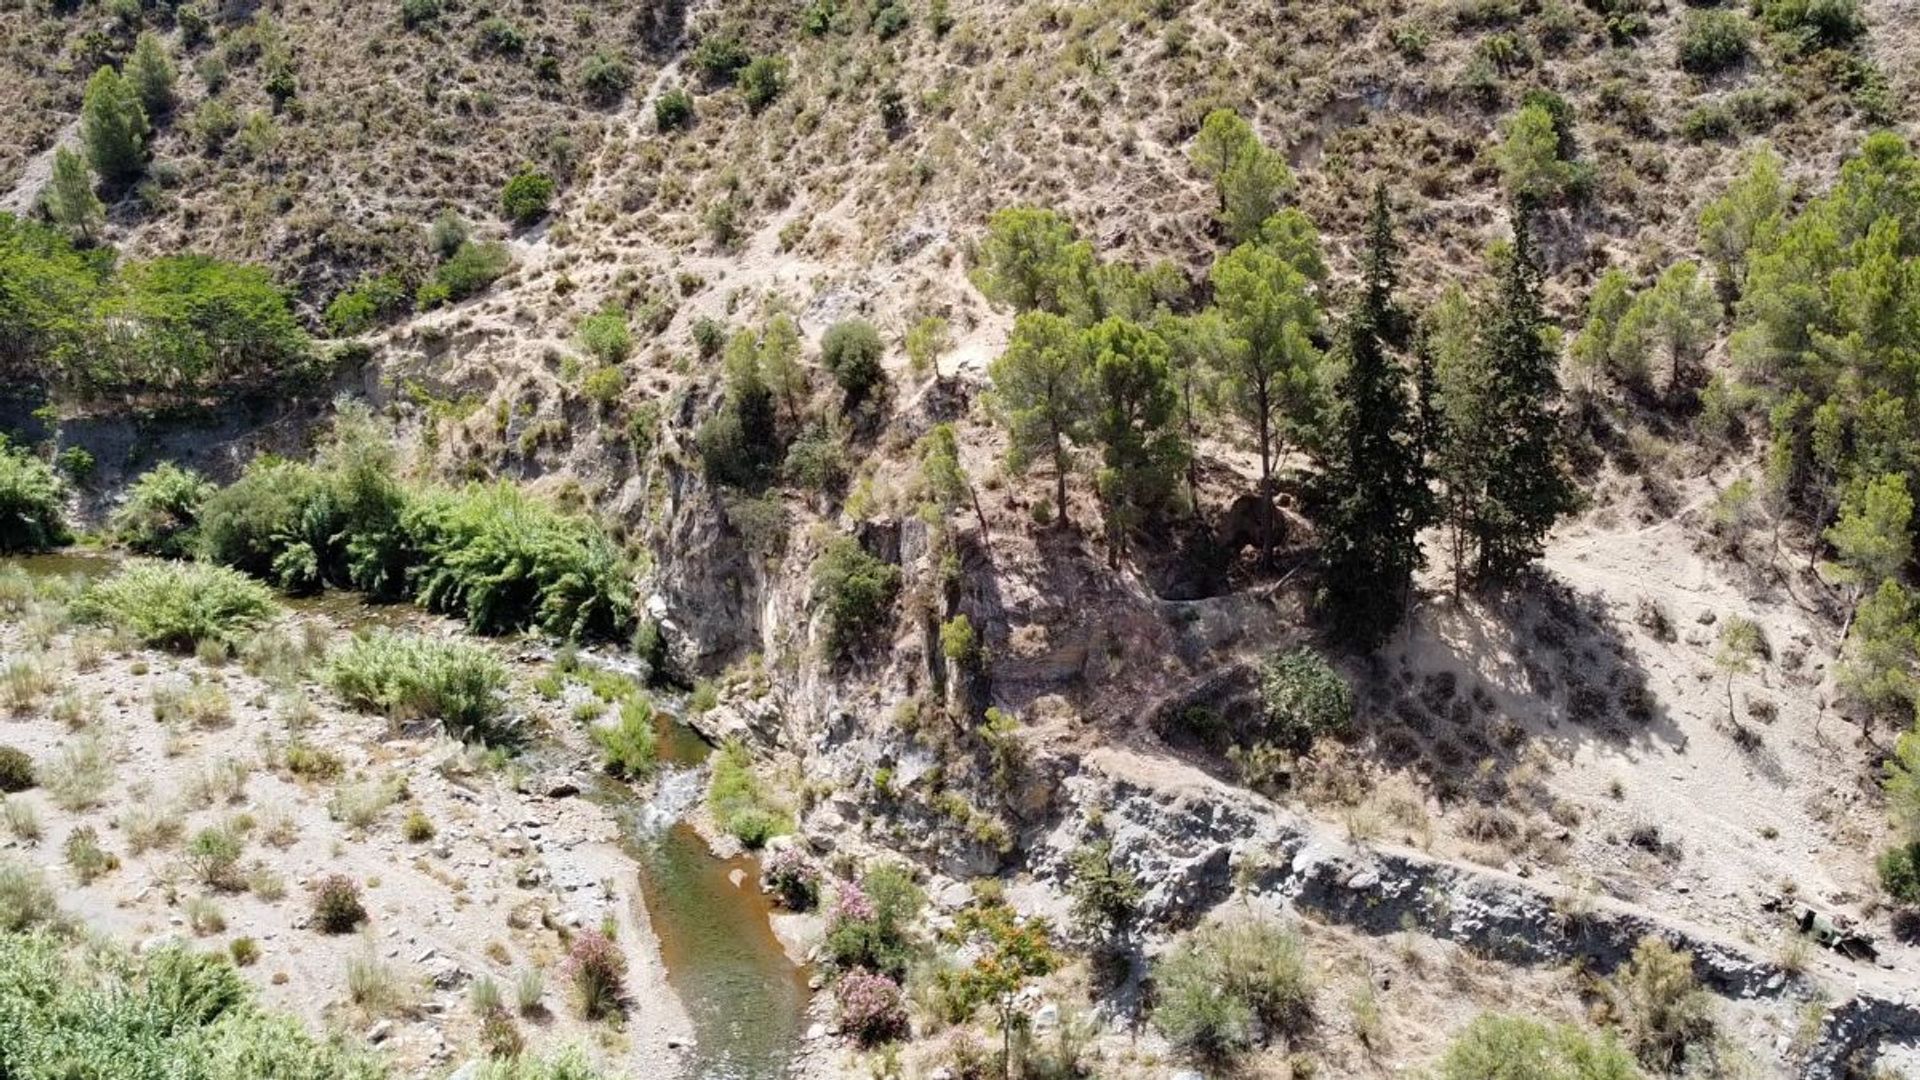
469,871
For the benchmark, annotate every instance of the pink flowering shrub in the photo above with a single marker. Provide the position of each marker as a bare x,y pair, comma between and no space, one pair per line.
869,1007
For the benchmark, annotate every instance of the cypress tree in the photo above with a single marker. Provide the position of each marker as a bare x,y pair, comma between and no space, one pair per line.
1375,491
1527,486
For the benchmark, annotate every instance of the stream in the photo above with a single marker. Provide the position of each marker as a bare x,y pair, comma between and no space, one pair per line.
746,999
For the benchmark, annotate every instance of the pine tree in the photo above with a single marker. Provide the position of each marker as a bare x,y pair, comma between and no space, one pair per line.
114,128
151,75
1135,406
1375,490
1527,486
70,198
1040,391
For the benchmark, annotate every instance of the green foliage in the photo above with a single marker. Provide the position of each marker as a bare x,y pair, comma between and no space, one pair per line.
1222,984
1033,260
720,55
606,77
605,335
527,197
367,303
869,924
1496,1047
856,591
70,200
1134,408
178,606
1750,213
336,905
26,902
1677,316
851,350
172,1015
1106,895
504,561
1302,698
958,642
1531,166
1249,180
32,503
763,80
1899,868
1903,784
740,803
673,110
1872,537
1374,490
1815,23
113,128
16,770
500,37
468,272
1042,392
927,340
415,14
739,444
161,513
410,677
1712,40
151,75
1663,1009
627,746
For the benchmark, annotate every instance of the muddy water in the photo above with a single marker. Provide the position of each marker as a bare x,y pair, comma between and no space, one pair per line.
746,999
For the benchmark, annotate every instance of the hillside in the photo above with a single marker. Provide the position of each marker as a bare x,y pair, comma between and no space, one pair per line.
879,393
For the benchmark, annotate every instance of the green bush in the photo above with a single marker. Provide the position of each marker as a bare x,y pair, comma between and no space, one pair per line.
606,77
627,746
32,513
1496,1047
763,81
869,924
527,197
605,335
412,677
1817,23
856,591
1226,982
188,324
1713,40
1302,698
851,353
162,512
467,272
673,110
719,56
739,803
1900,872
26,901
502,38
175,605
1662,1008
367,303
336,905
415,14
504,561
16,770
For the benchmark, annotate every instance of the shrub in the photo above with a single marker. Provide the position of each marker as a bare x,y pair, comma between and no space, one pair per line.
418,828
213,856
85,855
26,901
1496,1047
598,970
673,110
189,324
1713,41
1900,872
627,746
606,77
336,905
719,56
32,516
162,511
851,352
739,803
409,677
415,14
1818,23
856,591
1662,1007
605,335
763,81
16,770
1106,895
1302,698
868,923
504,561
467,272
1226,982
527,197
816,460
365,304
793,879
869,1007
501,37
448,233
178,605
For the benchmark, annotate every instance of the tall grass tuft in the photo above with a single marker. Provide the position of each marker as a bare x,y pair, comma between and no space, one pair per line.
409,677
179,605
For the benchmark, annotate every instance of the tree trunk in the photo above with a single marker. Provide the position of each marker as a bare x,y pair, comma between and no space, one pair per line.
1059,483
1266,487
